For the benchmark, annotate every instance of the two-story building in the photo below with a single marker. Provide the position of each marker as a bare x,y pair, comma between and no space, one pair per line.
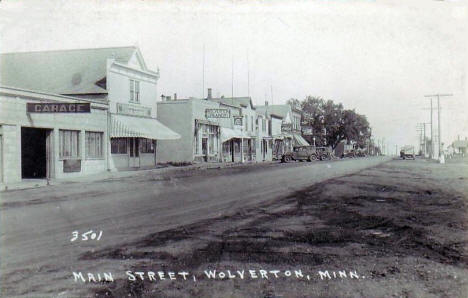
248,138
212,129
119,131
290,127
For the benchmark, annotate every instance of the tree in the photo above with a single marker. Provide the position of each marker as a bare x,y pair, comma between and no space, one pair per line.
331,123
294,103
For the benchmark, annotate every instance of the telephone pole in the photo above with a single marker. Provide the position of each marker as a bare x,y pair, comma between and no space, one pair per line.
438,120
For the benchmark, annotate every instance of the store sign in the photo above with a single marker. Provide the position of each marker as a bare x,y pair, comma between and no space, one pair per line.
307,131
131,110
217,113
285,127
58,107
237,121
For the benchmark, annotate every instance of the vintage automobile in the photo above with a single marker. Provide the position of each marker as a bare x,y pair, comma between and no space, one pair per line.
361,153
308,153
407,152
349,154
324,153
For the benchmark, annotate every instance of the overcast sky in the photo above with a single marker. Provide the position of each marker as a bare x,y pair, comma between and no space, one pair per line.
378,57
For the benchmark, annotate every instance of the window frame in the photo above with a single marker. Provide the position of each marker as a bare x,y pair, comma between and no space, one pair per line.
62,136
134,91
119,145
100,146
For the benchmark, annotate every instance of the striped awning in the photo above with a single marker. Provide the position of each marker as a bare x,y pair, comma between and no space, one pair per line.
300,140
123,126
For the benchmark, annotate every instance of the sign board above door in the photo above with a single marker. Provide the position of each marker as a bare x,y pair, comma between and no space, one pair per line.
217,113
58,107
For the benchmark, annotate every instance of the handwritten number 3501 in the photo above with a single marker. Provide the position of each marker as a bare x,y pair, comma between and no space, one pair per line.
90,235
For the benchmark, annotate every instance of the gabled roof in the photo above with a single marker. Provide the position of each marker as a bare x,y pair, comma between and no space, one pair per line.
279,110
80,71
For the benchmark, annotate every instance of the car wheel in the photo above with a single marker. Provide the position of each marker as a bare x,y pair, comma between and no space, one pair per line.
287,159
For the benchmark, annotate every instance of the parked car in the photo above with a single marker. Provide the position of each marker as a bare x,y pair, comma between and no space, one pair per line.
361,154
350,154
324,153
308,153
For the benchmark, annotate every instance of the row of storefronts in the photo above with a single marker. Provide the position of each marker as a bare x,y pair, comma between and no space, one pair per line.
84,112
226,130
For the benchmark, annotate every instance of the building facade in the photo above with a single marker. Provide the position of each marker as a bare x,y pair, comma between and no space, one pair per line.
290,128
119,132
45,145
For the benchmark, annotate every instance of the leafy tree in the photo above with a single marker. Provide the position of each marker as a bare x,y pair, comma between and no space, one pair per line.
331,123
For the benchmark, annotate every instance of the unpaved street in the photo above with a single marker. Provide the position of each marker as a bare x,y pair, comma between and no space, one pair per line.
38,256
395,230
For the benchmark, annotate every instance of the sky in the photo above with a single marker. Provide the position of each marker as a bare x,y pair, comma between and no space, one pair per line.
378,57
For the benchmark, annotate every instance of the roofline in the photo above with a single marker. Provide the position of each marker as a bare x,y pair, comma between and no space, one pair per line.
66,50
18,91
276,116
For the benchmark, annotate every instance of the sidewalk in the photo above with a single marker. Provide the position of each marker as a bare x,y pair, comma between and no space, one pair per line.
158,170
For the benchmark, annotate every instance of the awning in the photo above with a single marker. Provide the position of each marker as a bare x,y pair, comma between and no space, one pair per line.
138,127
300,140
282,136
228,133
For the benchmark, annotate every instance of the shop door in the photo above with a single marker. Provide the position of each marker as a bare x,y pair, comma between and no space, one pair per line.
36,153
134,160
205,148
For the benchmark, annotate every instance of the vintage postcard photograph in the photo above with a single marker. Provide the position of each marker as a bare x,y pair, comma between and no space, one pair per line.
233,148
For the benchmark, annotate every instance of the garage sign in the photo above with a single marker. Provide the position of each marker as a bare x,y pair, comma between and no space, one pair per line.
58,107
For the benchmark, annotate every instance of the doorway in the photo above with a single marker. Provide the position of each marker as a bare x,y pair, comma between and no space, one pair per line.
205,148
134,160
36,153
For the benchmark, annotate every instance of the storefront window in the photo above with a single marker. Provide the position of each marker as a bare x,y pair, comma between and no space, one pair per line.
94,144
69,143
147,146
119,146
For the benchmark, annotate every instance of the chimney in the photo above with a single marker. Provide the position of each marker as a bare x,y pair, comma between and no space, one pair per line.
175,96
209,93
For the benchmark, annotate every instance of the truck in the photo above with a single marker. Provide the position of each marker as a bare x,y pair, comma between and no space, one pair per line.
407,152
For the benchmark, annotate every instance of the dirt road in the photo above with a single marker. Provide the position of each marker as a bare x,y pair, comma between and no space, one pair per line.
38,257
395,230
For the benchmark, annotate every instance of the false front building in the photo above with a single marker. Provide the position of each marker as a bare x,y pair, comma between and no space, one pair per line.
214,130
55,140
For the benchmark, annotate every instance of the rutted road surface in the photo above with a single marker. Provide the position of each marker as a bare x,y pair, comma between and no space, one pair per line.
38,258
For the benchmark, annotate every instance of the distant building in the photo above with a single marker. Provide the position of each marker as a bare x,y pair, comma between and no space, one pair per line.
460,146
215,130
291,132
